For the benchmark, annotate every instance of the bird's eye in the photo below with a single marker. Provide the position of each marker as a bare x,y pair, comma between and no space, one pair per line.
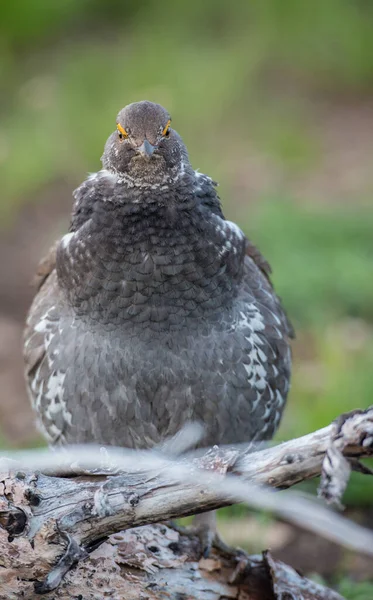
167,130
122,133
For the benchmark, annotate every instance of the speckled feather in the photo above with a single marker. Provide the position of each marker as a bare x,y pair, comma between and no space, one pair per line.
156,311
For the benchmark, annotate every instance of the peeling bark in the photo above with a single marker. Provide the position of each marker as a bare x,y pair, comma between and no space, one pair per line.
76,536
156,562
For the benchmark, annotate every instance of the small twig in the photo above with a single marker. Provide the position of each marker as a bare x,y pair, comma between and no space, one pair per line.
73,555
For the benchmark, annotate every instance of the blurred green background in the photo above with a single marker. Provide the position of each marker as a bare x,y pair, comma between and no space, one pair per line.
274,99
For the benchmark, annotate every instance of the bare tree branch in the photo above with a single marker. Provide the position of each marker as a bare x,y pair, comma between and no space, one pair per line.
50,523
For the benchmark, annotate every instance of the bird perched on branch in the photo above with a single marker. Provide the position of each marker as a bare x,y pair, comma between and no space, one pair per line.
154,310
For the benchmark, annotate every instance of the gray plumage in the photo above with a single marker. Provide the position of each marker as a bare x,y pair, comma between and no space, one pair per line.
154,310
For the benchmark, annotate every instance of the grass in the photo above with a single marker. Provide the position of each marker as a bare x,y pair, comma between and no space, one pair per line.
352,590
321,257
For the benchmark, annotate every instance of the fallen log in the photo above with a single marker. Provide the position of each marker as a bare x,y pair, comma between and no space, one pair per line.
71,534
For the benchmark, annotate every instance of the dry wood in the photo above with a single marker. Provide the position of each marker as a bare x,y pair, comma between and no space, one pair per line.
49,523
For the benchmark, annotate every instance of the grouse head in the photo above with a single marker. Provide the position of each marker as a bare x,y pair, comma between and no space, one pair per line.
145,150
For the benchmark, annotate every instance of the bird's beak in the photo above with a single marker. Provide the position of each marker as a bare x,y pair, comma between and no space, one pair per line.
146,149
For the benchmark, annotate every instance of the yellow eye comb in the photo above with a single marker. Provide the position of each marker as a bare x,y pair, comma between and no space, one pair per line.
122,130
167,128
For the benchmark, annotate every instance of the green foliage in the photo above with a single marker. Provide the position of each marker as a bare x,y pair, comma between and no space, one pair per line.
332,40
322,259
67,67
352,590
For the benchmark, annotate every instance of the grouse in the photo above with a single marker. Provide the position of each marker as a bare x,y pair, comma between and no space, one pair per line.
154,310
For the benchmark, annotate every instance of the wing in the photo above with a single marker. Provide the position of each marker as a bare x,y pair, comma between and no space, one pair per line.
46,343
41,326
256,256
233,236
45,266
44,282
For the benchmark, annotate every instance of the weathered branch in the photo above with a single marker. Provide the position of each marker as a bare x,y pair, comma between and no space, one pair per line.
50,523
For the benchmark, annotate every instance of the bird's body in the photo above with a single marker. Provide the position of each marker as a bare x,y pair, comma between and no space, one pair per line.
155,311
